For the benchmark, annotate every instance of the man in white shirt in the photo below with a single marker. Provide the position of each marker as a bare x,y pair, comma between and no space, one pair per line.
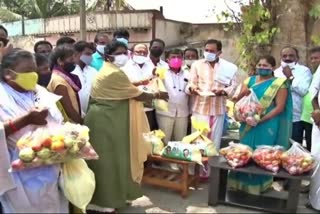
139,70
85,72
156,50
174,123
300,78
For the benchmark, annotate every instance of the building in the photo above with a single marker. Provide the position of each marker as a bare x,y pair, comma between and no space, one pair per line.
143,26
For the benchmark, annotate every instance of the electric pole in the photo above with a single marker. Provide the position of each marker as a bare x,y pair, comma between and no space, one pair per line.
83,20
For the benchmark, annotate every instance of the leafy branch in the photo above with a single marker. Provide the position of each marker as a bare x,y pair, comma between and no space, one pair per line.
257,28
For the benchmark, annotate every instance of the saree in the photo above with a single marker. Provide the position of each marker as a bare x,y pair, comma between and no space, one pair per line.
116,122
32,190
275,131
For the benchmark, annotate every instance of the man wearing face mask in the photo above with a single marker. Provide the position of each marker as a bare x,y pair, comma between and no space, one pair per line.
101,40
190,56
122,35
85,72
212,80
174,123
300,78
156,50
139,71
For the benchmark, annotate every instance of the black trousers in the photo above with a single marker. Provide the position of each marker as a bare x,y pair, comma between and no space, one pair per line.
151,115
298,129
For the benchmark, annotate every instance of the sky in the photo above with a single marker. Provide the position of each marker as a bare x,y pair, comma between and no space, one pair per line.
194,11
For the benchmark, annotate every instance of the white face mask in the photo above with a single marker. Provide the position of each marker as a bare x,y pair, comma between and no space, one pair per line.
189,62
284,64
210,57
100,48
120,60
139,59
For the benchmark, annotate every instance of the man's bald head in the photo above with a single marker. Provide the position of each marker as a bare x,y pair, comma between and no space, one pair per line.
140,49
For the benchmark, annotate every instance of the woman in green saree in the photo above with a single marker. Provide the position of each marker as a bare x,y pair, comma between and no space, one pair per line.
117,121
274,127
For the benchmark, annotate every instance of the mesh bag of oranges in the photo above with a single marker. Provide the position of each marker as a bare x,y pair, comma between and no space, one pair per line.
51,146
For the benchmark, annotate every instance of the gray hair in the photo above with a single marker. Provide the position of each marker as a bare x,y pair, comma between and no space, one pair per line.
11,59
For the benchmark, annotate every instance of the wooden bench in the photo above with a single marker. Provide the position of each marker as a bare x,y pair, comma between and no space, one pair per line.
179,181
218,192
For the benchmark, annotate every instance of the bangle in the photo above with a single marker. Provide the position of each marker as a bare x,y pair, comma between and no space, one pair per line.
12,126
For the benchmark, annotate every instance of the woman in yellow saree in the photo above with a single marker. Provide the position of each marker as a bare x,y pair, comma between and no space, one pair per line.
117,121
275,125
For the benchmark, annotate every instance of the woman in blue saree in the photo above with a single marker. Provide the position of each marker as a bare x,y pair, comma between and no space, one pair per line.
274,127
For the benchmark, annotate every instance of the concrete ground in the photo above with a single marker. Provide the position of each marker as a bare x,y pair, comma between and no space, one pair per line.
161,200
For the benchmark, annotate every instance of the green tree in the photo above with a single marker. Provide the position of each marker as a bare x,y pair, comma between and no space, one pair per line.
41,8
257,27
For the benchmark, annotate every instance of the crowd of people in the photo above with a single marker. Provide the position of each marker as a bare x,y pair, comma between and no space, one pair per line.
106,85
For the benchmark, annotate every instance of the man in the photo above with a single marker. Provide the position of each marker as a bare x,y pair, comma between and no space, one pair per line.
299,77
3,32
101,40
174,122
122,35
65,40
190,56
43,47
212,74
139,71
314,194
4,47
156,50
85,72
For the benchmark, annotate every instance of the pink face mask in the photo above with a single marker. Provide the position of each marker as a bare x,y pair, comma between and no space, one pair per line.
175,63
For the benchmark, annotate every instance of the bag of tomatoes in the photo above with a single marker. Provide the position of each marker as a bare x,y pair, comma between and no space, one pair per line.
297,160
268,157
248,109
237,154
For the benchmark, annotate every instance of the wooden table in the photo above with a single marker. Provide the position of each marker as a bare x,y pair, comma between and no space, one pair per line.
180,181
218,192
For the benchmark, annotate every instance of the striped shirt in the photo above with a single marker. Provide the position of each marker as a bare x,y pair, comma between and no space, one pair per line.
204,77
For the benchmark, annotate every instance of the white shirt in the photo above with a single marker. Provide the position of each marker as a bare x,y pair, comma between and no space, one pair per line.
136,73
160,64
86,77
178,100
299,87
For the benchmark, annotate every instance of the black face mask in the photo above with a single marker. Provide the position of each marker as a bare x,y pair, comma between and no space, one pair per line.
44,79
69,67
156,52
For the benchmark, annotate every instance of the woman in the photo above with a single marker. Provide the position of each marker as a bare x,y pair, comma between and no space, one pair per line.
274,127
31,190
64,83
116,120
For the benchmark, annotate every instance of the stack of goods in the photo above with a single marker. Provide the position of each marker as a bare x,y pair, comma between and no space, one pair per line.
46,147
297,160
182,151
249,110
199,139
155,138
236,154
268,157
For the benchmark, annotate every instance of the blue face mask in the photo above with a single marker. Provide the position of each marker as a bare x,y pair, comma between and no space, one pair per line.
264,71
123,40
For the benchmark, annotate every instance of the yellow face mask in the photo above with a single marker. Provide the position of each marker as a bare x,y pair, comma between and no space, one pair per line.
26,81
